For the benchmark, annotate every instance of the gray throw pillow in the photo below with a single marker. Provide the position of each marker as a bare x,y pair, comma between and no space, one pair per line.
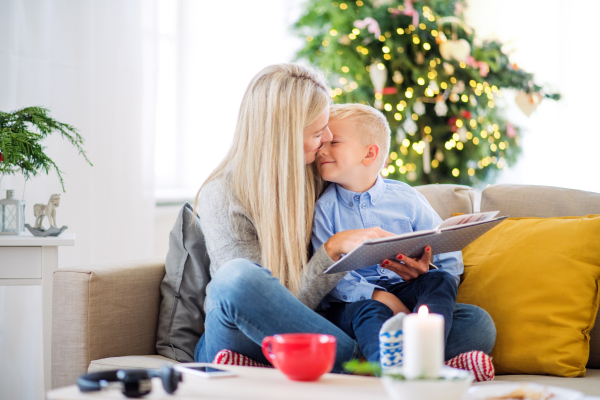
183,289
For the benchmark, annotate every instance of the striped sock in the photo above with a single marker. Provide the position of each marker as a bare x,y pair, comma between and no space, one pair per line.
477,362
228,357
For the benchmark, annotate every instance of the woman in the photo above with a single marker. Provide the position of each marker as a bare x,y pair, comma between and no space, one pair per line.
256,211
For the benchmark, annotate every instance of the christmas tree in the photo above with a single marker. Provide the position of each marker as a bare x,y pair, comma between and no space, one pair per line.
419,63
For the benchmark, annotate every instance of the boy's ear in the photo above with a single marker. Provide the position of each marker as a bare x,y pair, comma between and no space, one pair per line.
372,154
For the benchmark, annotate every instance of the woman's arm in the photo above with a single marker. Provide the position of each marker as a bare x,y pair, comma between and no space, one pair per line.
229,233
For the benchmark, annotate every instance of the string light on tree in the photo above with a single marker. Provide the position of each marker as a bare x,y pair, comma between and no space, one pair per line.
426,73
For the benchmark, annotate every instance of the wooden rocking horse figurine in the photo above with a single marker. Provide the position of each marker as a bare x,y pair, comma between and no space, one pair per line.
40,211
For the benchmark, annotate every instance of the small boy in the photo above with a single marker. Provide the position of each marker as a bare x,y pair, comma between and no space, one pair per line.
360,198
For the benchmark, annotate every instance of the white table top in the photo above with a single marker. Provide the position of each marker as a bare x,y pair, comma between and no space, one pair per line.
254,383
27,239
251,383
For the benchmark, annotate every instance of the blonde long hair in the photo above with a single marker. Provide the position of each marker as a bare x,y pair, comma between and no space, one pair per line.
266,164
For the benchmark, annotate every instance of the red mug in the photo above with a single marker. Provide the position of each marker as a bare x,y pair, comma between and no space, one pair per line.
301,356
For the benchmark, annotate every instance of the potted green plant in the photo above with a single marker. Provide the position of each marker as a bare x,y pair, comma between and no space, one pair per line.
21,151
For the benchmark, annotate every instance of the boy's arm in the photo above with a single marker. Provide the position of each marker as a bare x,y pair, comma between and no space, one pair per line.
425,218
353,286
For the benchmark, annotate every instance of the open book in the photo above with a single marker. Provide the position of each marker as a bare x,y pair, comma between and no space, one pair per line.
453,234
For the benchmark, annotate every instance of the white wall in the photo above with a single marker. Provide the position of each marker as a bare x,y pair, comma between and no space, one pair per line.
557,40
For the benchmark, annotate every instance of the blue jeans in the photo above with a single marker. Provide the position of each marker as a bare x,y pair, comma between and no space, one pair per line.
362,320
245,303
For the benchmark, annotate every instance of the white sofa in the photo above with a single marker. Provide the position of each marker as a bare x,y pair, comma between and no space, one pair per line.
105,317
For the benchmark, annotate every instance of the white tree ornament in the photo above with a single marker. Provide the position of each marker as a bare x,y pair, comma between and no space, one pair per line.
410,126
378,74
441,109
400,134
419,108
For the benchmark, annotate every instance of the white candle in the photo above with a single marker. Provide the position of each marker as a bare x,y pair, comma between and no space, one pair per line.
423,347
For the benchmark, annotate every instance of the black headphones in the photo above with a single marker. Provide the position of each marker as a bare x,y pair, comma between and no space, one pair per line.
132,382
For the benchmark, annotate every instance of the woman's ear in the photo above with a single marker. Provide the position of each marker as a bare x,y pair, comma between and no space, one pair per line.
372,154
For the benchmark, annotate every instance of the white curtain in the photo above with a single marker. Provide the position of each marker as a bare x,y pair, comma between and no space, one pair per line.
93,64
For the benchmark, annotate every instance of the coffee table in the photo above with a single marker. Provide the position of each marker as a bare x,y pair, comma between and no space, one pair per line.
251,383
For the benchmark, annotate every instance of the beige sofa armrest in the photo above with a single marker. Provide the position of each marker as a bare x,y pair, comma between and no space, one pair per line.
103,311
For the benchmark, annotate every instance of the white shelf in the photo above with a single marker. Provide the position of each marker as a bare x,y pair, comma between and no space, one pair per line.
27,239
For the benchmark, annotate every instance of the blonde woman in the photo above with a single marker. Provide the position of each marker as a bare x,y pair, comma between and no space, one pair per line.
256,211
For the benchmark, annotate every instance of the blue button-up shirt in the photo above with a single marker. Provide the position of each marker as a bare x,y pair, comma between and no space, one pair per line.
391,205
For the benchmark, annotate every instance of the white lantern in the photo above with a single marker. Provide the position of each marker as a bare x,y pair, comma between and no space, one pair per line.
12,215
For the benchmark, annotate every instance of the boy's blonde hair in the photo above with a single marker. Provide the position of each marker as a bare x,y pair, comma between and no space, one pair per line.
266,166
374,127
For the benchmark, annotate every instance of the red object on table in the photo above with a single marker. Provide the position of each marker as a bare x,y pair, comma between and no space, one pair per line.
301,356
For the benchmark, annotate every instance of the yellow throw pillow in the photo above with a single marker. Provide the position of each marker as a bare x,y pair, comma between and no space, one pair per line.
539,279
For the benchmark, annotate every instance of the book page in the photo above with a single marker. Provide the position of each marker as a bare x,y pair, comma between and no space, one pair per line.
467,219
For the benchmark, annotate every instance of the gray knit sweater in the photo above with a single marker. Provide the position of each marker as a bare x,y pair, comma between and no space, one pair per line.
229,233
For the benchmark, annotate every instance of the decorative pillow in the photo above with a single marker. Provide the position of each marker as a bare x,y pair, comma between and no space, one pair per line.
539,279
183,289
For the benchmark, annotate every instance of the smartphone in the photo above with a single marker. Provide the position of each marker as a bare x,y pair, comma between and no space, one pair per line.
203,370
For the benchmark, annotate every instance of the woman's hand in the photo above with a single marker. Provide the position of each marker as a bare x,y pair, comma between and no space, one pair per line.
391,301
346,241
409,268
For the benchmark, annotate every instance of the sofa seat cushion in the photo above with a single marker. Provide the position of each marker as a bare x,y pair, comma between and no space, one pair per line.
130,362
590,385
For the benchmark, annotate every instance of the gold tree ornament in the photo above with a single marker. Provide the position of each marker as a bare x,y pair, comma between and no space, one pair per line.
397,77
457,50
528,102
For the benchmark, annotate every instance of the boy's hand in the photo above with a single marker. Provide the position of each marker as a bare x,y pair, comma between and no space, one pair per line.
346,241
391,301
409,268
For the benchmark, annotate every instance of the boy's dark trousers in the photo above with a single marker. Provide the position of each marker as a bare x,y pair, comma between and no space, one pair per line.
363,319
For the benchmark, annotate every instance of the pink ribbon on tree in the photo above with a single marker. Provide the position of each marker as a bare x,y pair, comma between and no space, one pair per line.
371,24
484,68
410,11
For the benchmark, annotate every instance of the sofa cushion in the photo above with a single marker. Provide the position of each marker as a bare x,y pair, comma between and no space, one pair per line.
539,201
546,202
183,289
538,279
448,199
130,362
